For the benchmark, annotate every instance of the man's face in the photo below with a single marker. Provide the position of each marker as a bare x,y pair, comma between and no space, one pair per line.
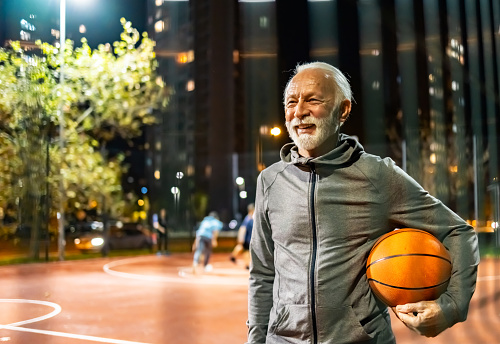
311,120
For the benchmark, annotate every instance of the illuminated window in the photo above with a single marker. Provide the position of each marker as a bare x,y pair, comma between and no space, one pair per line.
263,22
433,158
55,33
25,36
185,57
159,26
182,58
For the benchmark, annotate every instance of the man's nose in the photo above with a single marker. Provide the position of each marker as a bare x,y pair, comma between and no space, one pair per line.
301,109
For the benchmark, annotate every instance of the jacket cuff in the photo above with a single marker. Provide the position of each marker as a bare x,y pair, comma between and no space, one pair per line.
449,309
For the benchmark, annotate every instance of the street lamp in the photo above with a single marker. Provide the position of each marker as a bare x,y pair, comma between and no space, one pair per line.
264,130
62,45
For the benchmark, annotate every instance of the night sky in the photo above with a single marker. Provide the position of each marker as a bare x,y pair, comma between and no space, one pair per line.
101,17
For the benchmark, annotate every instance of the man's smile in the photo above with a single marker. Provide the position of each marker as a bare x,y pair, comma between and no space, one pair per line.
305,128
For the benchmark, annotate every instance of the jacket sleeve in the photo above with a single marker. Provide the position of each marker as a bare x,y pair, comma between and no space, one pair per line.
260,295
412,207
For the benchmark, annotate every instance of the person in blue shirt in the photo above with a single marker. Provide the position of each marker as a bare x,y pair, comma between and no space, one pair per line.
244,235
206,239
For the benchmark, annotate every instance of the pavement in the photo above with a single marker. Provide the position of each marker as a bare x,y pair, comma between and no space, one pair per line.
158,299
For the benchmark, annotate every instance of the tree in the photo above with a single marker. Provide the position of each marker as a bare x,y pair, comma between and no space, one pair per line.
106,92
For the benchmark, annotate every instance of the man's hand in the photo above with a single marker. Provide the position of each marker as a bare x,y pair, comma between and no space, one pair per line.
424,317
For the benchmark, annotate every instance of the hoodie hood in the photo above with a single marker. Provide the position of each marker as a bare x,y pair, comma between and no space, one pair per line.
347,151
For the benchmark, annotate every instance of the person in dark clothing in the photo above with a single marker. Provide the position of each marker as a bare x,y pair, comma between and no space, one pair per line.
318,213
162,231
244,236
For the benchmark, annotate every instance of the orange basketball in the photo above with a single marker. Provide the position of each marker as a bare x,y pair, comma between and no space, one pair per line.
408,265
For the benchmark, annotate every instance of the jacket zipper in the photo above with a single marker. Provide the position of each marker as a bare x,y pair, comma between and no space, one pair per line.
314,249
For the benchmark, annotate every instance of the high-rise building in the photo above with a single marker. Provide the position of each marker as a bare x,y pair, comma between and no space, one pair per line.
425,76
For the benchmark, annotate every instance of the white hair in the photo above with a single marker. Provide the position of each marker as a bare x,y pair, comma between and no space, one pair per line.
342,85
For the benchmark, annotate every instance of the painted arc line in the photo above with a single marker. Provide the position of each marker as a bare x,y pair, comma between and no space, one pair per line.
57,310
69,335
488,278
108,268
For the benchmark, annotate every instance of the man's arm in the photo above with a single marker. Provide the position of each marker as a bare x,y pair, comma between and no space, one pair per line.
411,206
260,294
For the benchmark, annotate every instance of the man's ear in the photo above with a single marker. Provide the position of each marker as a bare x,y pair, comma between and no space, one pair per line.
345,110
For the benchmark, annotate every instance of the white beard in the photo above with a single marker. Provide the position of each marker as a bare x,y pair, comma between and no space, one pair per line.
326,127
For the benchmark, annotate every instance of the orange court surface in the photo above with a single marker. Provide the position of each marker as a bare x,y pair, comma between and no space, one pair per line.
157,299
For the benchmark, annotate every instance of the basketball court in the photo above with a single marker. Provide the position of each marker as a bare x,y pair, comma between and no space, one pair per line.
151,299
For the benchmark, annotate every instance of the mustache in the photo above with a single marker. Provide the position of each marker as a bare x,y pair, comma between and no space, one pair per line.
296,121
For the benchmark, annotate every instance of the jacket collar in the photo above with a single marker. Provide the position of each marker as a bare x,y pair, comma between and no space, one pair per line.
347,151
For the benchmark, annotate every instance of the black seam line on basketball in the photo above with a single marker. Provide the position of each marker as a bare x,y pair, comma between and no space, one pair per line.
407,288
408,254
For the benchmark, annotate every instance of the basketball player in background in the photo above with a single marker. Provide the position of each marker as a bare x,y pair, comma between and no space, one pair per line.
244,235
318,213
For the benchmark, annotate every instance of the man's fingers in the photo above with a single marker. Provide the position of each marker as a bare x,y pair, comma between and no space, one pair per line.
407,318
412,307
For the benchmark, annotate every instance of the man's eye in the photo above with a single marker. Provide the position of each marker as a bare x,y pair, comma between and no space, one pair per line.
291,103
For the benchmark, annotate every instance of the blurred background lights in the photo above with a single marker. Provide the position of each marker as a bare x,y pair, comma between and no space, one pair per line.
240,181
275,131
232,224
243,194
140,202
144,190
174,190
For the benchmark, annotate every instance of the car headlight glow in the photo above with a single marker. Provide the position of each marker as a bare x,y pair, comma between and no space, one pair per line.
97,241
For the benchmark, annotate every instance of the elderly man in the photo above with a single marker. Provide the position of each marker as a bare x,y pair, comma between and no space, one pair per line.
318,213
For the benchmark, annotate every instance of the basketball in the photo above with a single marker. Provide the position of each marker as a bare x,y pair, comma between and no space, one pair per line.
408,265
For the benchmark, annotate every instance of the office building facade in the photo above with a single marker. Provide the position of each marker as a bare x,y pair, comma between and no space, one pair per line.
425,76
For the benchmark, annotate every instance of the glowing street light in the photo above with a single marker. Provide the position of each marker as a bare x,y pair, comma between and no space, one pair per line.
264,131
62,47
275,131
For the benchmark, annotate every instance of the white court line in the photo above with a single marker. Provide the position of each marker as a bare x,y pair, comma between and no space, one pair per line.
205,279
488,278
69,335
57,310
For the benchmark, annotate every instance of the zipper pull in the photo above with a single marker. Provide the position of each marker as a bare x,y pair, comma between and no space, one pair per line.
312,167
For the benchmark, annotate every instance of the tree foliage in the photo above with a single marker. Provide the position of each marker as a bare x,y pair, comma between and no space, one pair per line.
102,93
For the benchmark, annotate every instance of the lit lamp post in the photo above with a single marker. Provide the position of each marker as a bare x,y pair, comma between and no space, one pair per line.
264,131
62,46
62,37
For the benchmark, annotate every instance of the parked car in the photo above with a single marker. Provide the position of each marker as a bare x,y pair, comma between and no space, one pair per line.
121,236
78,228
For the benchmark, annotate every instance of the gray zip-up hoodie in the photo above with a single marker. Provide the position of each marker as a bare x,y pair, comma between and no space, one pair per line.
315,221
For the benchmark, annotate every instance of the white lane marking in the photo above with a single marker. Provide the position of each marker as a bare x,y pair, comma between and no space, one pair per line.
57,310
207,279
69,335
488,278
